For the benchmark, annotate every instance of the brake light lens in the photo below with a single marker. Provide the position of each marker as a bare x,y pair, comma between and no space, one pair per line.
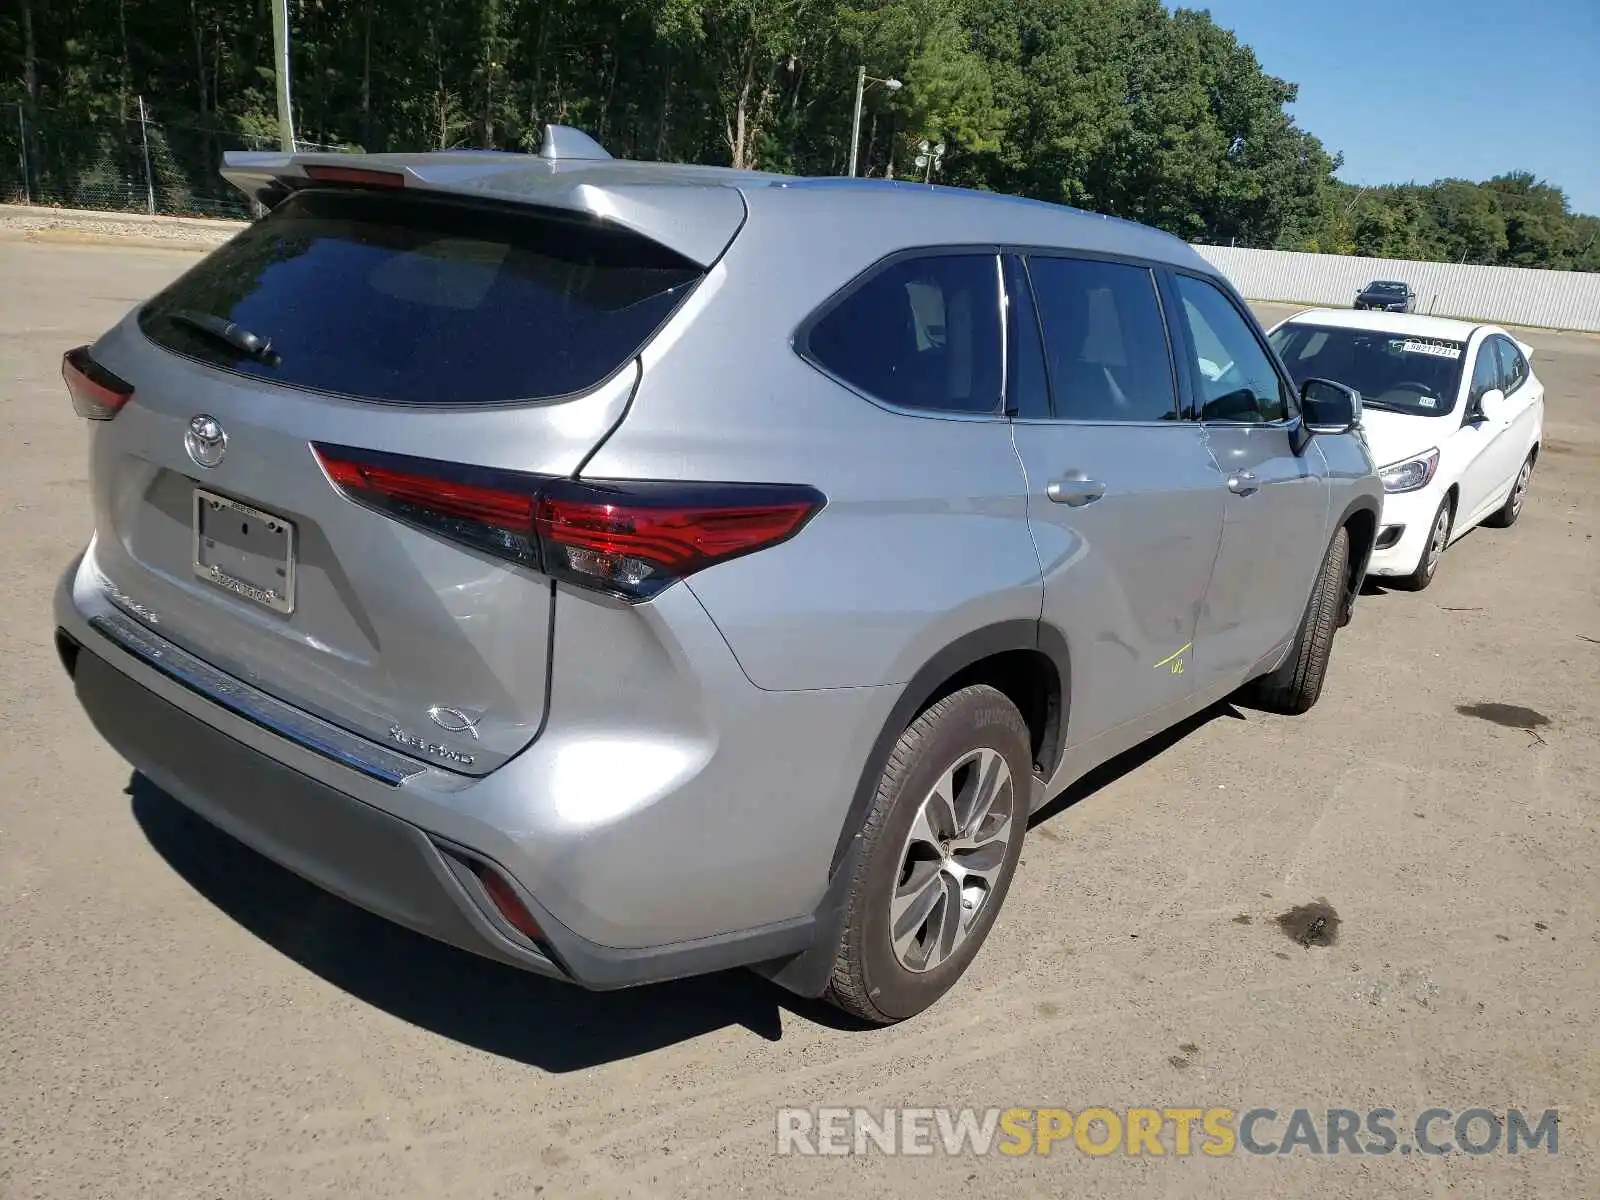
97,394
633,539
629,539
367,176
498,519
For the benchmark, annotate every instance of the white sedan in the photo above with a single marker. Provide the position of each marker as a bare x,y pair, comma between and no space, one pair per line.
1453,414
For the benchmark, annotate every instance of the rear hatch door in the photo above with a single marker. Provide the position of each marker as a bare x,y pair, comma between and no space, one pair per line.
460,332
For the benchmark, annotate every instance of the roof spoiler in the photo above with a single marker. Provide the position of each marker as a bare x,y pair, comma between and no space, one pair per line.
568,173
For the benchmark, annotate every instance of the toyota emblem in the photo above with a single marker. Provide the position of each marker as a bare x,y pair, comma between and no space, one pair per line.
205,441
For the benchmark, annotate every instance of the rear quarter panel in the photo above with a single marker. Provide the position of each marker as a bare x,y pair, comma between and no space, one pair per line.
924,536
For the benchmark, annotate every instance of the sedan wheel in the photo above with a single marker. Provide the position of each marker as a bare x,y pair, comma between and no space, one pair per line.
1438,540
1506,515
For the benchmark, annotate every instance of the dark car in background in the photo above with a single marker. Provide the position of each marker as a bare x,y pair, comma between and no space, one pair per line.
1387,295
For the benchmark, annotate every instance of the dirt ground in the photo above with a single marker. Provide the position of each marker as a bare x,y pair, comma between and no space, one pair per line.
180,1018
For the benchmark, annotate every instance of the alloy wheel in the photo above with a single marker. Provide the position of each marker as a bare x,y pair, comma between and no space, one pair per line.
1519,490
1441,535
952,859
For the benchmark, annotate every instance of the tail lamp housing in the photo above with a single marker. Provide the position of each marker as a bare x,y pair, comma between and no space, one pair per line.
629,539
97,394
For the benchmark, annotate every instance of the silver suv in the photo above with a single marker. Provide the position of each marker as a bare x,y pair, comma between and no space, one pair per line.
626,570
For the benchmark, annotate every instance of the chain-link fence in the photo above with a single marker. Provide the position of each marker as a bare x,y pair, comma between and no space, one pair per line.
139,164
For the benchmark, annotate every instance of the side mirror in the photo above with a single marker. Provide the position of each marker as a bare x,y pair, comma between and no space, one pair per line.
1491,405
1329,407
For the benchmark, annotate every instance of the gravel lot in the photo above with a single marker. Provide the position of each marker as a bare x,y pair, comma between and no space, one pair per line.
180,1018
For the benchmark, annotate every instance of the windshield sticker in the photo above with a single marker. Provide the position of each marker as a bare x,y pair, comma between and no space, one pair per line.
1427,401
1437,349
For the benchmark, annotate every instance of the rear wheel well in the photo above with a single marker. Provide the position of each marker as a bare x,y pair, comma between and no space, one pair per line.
1030,680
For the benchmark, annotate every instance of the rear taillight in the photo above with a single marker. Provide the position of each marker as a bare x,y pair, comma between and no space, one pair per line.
492,512
635,538
96,393
630,539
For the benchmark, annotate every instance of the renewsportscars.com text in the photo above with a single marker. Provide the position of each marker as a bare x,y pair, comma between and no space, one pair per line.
1156,1132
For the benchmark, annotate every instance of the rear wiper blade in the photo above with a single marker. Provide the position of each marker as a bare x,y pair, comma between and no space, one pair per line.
223,330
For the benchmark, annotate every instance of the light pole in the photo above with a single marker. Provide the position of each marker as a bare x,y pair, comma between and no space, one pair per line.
862,79
280,69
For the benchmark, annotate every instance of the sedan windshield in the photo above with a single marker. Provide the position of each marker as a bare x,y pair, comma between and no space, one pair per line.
1402,374
1381,286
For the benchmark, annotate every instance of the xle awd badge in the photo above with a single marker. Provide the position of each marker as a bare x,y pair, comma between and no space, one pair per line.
205,440
412,742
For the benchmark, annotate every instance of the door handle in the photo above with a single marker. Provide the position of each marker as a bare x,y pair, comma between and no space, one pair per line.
1242,483
1076,489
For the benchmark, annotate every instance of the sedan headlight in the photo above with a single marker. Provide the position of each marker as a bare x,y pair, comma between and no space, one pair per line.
1411,474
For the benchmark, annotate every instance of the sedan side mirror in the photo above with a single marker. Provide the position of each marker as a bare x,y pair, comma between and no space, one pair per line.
1330,407
1491,405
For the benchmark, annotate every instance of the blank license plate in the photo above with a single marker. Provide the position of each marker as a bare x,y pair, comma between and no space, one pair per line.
245,550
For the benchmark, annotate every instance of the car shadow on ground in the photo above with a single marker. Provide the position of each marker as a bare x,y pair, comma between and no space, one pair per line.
554,1026
1129,761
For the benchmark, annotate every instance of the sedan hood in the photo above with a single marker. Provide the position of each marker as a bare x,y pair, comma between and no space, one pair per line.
1395,437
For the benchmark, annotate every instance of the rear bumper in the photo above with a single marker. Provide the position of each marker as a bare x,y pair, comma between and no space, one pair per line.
397,848
351,849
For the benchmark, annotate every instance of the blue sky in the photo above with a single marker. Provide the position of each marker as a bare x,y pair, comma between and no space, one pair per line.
1424,89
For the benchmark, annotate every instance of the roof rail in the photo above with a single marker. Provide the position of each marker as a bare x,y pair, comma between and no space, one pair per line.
562,142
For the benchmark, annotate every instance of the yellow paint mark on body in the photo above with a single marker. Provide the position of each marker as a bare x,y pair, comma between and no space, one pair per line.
1174,661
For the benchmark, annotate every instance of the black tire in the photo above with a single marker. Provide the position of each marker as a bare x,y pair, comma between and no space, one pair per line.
869,979
1506,515
1439,530
1294,687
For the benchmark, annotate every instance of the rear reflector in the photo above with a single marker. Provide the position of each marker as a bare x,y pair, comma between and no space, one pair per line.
96,393
358,175
630,539
506,901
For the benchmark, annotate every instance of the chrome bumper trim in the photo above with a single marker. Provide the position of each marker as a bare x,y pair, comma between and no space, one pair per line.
301,728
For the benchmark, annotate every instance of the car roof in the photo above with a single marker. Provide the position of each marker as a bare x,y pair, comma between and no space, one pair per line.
697,209
1387,322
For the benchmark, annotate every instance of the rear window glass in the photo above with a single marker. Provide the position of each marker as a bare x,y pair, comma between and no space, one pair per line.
921,333
415,301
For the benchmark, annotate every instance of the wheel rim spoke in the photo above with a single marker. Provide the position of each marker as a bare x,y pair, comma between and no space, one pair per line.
952,859
989,815
912,915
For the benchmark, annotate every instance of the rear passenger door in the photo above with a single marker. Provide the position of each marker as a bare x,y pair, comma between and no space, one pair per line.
1487,442
1274,533
1522,406
1124,502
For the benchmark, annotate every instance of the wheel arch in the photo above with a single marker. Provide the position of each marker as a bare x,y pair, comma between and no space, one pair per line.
1361,520
1018,657
1026,654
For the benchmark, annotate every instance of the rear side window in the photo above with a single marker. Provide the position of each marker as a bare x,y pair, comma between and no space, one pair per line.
415,301
1513,367
1486,371
1105,341
921,333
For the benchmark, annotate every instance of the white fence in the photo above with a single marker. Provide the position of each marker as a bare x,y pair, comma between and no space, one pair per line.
1511,295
